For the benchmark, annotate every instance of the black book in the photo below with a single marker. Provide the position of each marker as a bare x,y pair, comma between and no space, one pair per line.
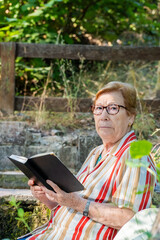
47,166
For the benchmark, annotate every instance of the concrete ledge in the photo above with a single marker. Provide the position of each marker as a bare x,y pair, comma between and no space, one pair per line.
19,194
26,195
13,179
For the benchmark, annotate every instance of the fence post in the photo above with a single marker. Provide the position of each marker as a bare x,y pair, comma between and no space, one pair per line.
7,80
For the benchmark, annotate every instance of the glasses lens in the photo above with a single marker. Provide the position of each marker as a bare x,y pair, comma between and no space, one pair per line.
98,110
112,109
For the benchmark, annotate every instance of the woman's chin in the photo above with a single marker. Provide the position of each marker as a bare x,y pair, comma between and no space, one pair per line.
106,130
106,133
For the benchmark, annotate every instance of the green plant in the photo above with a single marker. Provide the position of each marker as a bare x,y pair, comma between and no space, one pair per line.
139,149
35,213
72,82
20,212
40,114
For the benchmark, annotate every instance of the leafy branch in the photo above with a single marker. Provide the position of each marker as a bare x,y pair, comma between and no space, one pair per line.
139,149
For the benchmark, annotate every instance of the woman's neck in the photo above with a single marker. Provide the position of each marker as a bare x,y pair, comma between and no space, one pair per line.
106,149
107,145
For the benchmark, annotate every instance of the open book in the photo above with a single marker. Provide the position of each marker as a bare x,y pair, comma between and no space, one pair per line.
47,166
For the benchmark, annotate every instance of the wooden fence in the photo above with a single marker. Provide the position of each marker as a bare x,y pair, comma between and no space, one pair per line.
10,50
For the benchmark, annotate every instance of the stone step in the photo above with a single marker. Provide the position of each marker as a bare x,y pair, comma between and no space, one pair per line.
16,179
18,194
13,180
9,192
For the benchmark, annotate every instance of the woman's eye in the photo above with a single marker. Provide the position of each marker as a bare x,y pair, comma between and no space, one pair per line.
98,108
112,107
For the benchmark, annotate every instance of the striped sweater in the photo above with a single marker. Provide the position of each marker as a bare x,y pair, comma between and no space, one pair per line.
109,181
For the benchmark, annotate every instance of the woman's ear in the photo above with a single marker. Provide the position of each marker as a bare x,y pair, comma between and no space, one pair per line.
131,119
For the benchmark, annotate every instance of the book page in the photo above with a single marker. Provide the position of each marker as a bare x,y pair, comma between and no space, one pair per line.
19,158
42,154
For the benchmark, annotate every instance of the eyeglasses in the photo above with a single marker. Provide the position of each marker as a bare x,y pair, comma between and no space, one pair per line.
112,109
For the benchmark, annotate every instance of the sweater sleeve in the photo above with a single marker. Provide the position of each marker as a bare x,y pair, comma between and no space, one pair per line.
133,186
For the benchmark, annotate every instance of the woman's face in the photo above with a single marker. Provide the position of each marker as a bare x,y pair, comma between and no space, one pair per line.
112,128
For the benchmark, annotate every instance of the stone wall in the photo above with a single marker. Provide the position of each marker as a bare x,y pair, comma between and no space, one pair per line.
21,139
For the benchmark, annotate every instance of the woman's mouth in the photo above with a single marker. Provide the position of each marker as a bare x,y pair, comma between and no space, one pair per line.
104,127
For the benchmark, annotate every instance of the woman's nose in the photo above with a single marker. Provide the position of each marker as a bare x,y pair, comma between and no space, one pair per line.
105,114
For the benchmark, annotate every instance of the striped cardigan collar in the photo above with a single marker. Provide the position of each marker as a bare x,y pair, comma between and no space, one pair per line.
119,146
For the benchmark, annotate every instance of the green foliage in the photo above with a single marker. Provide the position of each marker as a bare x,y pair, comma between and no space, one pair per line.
70,21
90,76
145,124
20,212
137,163
140,149
109,22
36,214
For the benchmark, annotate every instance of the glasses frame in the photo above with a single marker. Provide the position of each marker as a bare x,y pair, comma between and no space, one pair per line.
106,107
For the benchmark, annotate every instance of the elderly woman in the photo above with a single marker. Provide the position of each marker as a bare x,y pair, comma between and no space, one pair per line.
110,197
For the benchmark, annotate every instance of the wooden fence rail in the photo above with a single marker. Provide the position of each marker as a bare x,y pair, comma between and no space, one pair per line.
10,50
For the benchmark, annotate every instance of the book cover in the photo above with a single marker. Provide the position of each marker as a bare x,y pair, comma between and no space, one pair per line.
47,166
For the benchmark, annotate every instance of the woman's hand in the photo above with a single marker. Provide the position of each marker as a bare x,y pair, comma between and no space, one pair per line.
36,190
38,193
72,200
104,213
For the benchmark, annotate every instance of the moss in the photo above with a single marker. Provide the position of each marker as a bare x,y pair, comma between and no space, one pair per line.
13,181
36,214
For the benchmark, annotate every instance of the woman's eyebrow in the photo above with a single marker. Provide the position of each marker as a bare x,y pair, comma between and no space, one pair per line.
100,104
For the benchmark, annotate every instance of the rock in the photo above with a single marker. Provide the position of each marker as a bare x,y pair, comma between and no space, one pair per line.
57,132
12,132
7,150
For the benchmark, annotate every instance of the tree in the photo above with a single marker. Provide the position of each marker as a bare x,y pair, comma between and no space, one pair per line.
81,21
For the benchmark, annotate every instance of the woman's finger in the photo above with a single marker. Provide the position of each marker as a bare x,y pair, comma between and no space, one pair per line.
49,194
54,186
47,191
36,188
31,182
51,198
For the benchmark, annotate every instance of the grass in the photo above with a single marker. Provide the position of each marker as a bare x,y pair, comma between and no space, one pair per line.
73,79
83,78
64,121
